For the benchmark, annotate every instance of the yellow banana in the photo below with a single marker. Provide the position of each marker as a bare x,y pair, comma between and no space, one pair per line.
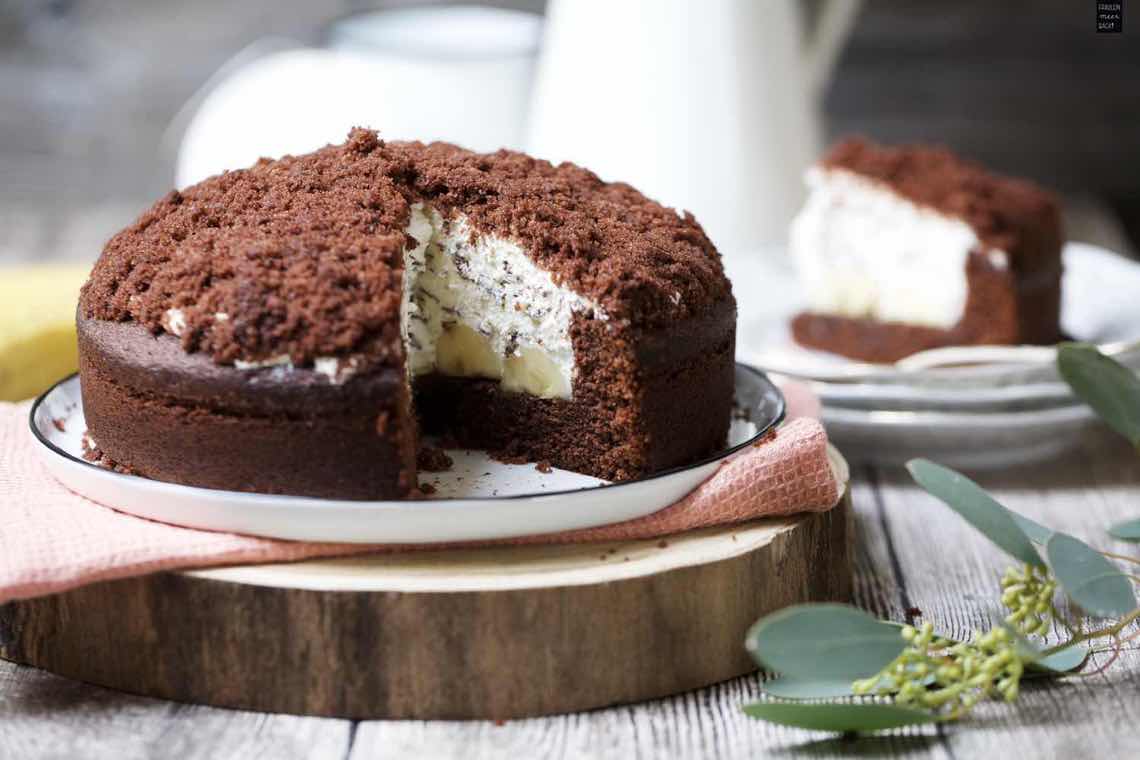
37,326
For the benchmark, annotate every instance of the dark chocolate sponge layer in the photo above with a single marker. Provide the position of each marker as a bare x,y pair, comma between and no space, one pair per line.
157,411
999,311
643,401
662,400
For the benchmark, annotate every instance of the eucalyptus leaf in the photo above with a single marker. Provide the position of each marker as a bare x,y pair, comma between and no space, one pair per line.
1112,390
1026,649
830,642
1062,661
977,507
808,688
1088,578
1039,664
1126,531
841,716
1036,532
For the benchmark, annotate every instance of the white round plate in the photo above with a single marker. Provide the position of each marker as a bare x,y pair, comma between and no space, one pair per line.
479,498
1099,305
896,397
965,440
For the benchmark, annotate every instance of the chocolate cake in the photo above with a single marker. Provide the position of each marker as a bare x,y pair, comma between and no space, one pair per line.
910,248
295,327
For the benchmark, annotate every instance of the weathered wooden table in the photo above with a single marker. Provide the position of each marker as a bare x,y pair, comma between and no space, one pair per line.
914,557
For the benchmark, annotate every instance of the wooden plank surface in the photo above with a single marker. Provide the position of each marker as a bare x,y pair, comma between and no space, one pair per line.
911,553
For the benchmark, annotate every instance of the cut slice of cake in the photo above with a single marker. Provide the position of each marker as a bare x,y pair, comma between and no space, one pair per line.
910,248
293,328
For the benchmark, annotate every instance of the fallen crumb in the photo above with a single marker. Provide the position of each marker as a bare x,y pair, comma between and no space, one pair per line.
432,459
91,452
662,544
544,467
427,488
58,422
765,438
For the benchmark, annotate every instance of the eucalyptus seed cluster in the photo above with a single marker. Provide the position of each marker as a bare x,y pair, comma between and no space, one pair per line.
1027,592
939,674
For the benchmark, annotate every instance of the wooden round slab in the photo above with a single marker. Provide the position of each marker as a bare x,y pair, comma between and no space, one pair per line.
480,633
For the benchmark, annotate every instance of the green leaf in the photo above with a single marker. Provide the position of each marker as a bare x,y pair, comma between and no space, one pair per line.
1111,389
1088,578
1039,664
978,508
1037,532
1126,531
805,688
825,716
1062,661
830,642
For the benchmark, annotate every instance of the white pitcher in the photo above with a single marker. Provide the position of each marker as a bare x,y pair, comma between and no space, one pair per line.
709,106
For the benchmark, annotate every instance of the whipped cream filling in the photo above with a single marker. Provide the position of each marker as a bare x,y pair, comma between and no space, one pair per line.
174,322
476,305
863,251
472,305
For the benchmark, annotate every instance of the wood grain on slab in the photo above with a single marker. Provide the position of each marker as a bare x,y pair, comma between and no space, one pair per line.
481,633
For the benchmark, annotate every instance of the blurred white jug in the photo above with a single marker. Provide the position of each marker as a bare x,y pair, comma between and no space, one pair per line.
457,73
709,106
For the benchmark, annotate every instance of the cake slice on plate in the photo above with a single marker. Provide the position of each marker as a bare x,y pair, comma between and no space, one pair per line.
905,249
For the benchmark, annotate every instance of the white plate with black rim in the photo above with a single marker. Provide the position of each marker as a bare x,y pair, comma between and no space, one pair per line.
479,498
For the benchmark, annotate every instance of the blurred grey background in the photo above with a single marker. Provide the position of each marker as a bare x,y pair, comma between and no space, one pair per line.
88,89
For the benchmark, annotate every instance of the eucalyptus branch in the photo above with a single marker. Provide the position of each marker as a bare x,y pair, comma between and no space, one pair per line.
1099,633
828,651
1121,557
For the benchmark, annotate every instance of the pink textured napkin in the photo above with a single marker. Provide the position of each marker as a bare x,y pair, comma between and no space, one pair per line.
52,539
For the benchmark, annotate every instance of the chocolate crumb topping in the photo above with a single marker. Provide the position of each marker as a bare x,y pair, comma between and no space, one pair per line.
432,459
303,256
